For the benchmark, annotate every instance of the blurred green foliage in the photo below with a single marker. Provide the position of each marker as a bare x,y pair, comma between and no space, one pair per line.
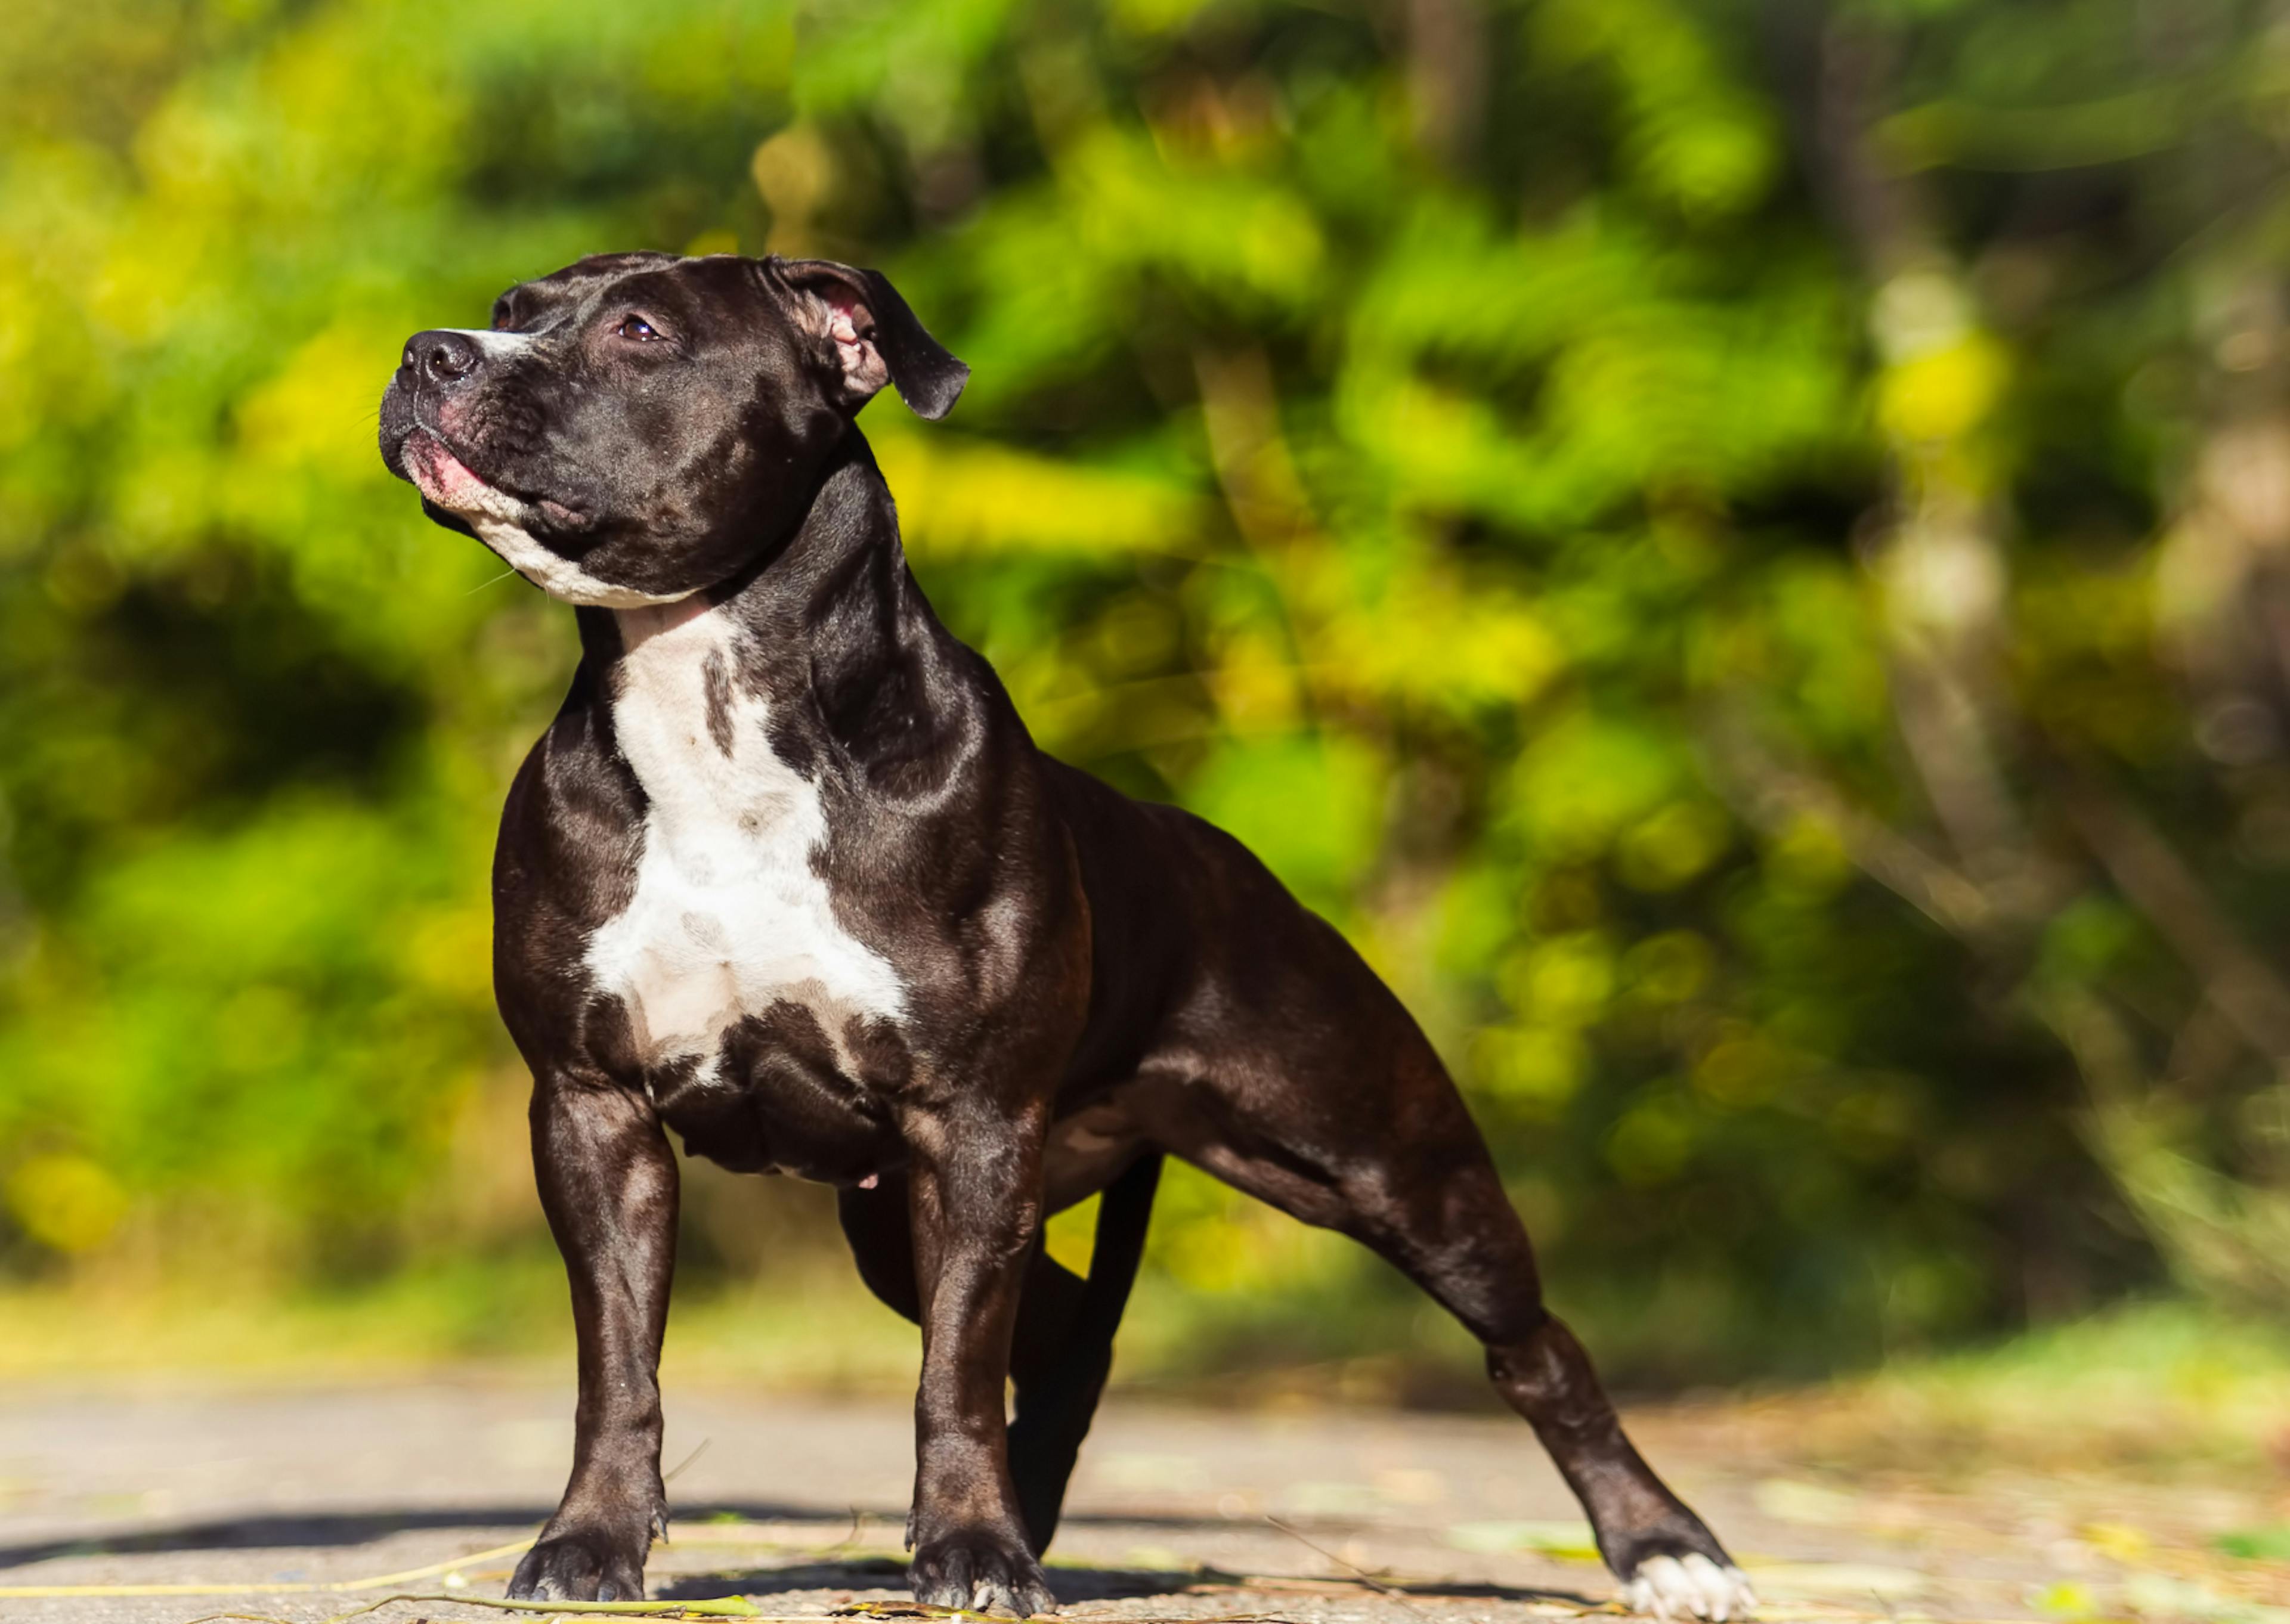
1741,550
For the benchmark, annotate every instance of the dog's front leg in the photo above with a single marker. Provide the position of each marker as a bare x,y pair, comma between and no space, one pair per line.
976,1200
608,1182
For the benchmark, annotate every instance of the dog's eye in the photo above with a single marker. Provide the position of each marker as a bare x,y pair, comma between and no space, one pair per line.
637,328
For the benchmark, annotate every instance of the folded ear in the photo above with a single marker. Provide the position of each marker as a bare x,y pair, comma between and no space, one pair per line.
875,336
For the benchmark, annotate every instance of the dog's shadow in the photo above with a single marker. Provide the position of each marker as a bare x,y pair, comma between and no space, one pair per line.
822,1571
883,1573
284,1530
1071,1585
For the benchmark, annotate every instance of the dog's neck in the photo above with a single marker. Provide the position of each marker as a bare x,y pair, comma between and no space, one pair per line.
829,627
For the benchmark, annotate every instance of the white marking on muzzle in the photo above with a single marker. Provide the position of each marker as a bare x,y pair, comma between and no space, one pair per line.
492,345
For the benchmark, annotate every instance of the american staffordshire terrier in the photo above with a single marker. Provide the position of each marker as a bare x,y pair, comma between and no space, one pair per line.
788,875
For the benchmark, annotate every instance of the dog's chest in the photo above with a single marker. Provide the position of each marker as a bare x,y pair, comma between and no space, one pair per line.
730,923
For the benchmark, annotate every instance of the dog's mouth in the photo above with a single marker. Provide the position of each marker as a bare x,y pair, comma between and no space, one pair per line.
448,483
444,479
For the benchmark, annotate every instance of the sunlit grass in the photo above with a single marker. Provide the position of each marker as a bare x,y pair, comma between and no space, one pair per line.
2146,1385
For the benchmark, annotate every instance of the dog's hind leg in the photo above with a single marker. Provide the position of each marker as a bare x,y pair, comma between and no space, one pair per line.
1670,1562
1396,1161
1063,1347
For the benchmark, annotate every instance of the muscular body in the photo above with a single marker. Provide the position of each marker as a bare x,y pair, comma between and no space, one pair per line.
787,876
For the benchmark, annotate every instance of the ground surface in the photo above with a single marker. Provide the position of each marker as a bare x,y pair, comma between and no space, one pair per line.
1193,1514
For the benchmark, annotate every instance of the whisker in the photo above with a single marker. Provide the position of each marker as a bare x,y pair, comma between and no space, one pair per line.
495,582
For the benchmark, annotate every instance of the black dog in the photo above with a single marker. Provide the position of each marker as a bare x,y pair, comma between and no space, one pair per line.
788,875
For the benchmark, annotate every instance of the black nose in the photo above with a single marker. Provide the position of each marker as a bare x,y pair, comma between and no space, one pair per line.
442,358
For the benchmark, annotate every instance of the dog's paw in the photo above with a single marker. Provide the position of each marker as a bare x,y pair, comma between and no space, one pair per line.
1689,1587
978,1571
579,1567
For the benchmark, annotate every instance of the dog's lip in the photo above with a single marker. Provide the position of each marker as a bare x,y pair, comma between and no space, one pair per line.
433,468
440,475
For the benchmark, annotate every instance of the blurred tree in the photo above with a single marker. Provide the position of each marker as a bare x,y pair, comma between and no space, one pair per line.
1738,549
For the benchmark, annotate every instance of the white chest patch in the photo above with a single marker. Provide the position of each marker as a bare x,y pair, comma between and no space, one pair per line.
728,917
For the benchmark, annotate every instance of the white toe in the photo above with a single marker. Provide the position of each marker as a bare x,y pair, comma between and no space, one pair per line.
1712,1594
1657,1589
1665,1587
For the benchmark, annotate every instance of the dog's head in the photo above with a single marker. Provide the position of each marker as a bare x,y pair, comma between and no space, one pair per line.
633,428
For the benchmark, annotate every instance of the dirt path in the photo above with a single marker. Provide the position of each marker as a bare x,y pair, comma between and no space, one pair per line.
1175,1513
